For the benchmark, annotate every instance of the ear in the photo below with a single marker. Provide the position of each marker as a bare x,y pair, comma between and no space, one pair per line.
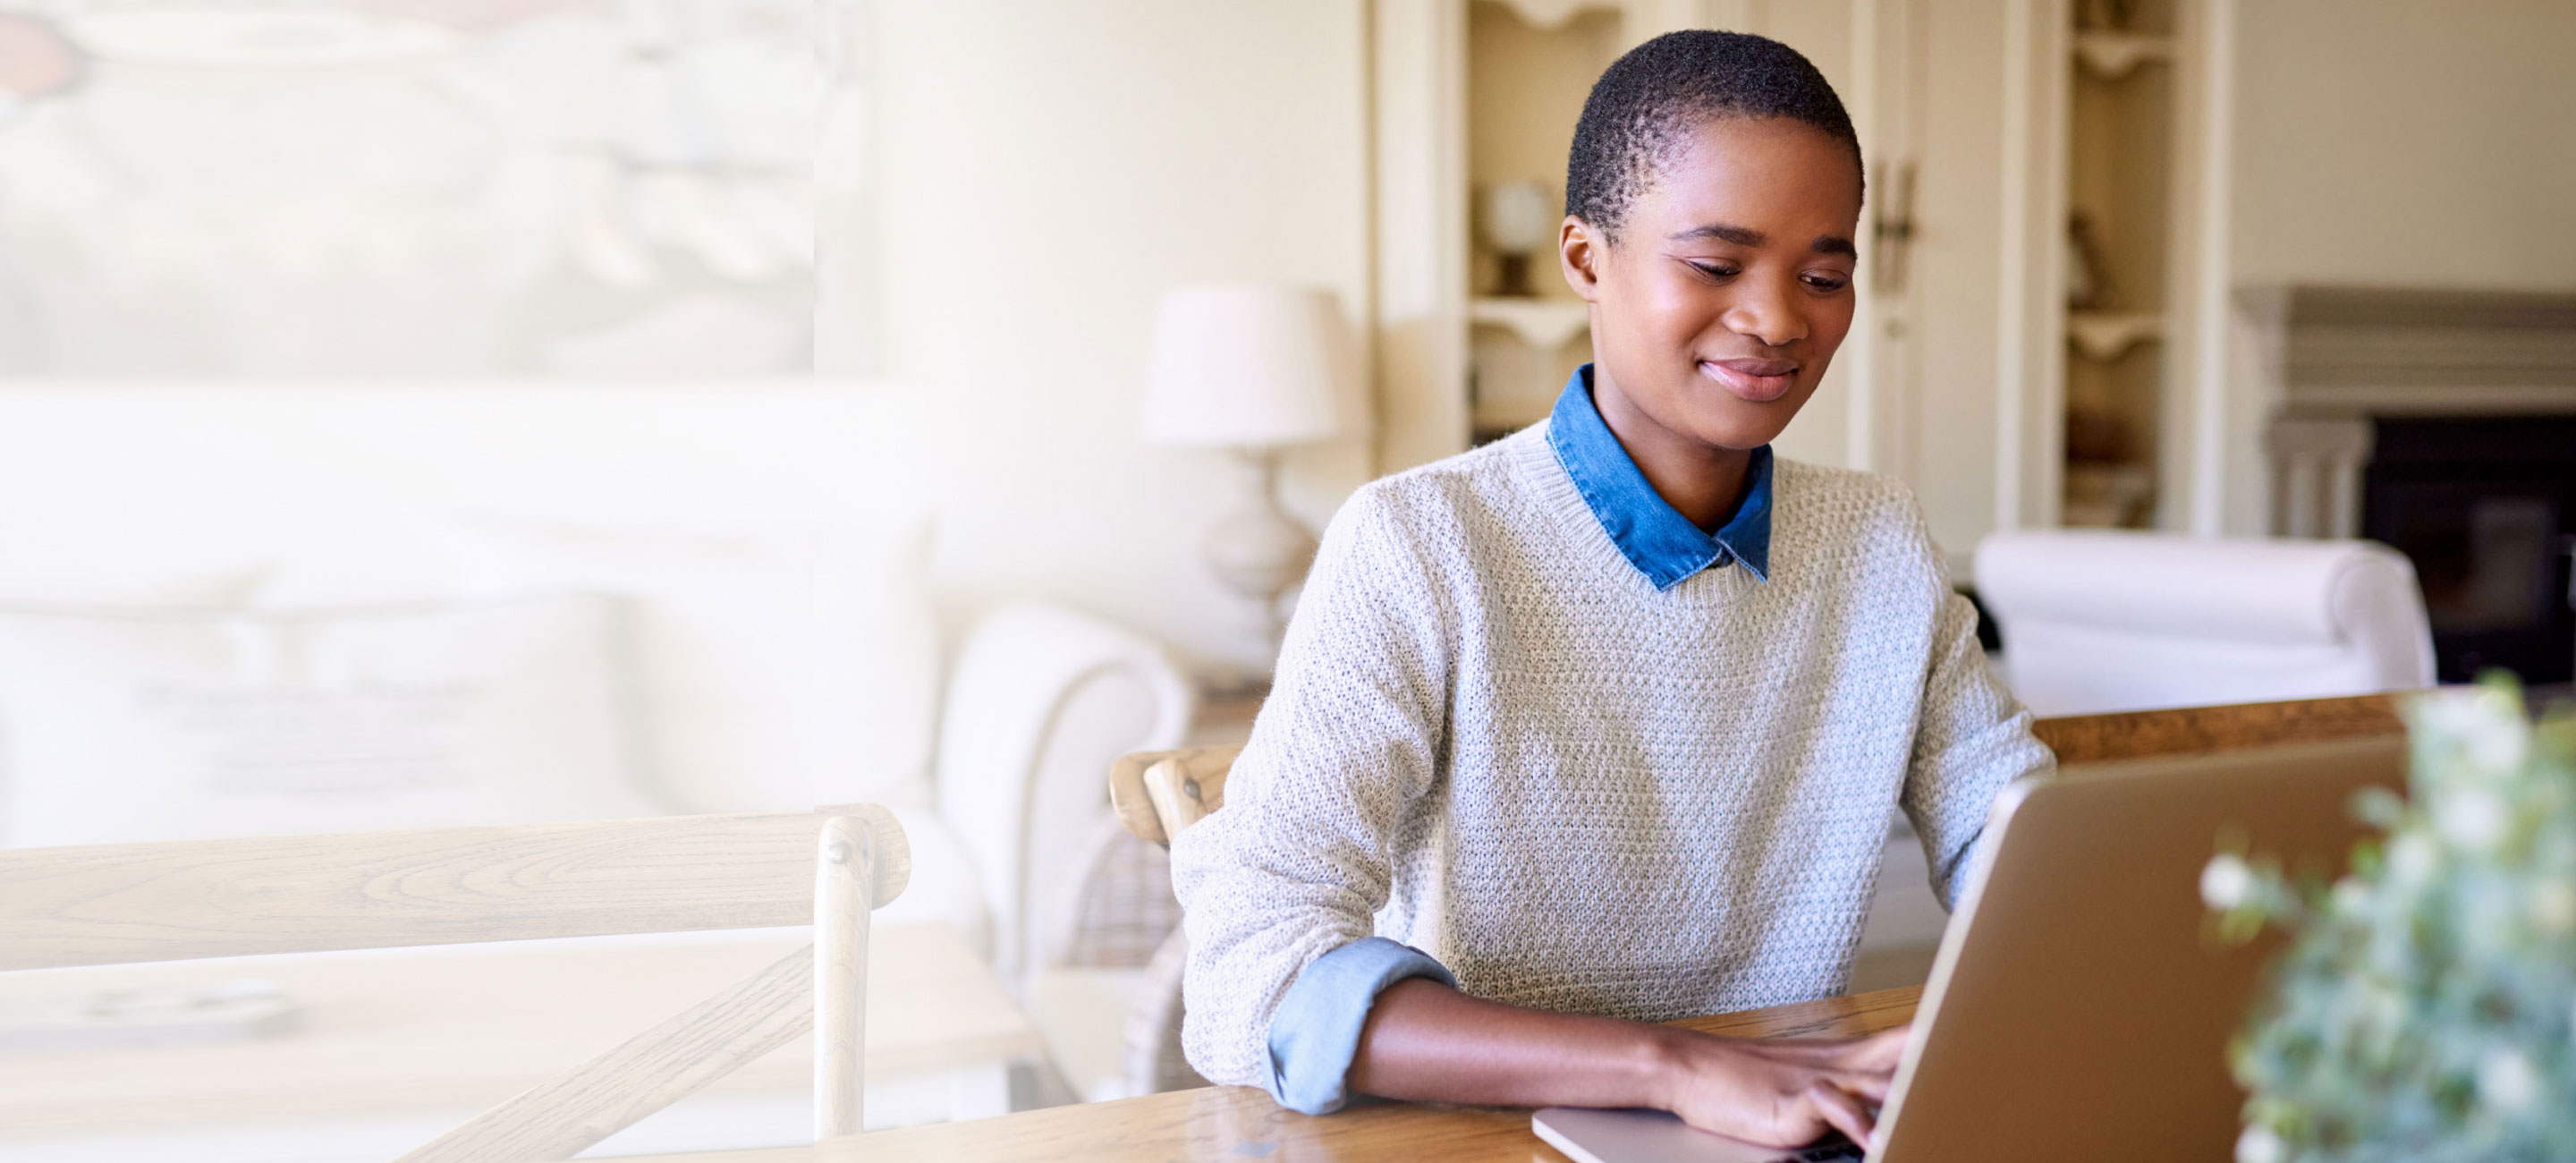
1579,253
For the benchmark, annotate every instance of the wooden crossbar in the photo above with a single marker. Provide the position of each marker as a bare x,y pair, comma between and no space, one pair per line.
172,901
563,1117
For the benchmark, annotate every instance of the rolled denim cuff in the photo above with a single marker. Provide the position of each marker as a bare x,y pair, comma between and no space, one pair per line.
1316,1032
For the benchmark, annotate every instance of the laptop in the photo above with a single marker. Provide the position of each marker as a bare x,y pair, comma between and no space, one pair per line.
2080,1005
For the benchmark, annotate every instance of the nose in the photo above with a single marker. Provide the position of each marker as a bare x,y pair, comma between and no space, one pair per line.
1766,312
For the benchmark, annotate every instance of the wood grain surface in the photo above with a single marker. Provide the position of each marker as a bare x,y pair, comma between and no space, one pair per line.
1158,792
1229,1123
2200,730
839,973
113,903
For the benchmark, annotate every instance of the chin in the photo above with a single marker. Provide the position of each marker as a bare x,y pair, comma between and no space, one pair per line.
1728,422
1739,438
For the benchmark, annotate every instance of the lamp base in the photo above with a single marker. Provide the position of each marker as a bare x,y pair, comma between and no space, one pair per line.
1258,551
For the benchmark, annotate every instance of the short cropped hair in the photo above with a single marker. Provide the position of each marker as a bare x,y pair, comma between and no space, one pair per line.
1642,110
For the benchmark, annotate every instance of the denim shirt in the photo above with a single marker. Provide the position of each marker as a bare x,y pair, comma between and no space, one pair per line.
1315,1033
1650,533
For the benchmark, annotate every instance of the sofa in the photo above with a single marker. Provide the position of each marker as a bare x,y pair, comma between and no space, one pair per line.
251,608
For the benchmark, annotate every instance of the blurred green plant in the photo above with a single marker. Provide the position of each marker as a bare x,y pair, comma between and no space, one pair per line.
2425,1008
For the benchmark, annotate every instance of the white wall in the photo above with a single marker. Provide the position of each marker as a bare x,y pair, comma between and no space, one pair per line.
2412,142
1045,170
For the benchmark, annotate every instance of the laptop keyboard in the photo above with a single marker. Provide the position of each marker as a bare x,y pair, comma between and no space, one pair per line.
1827,1153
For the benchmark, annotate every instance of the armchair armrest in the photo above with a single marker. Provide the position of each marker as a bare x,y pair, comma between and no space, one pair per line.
1041,698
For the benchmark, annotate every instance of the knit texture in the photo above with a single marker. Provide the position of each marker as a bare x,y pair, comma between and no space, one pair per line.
1492,739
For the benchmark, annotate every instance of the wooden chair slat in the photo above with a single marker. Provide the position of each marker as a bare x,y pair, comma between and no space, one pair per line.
563,1117
1151,789
111,903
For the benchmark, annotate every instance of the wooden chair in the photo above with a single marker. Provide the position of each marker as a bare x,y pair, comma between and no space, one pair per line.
120,903
1157,794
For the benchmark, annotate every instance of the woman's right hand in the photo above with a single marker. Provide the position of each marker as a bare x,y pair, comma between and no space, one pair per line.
1782,1092
1426,1041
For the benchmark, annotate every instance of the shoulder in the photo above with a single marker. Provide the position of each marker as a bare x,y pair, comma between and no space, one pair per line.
1813,492
1847,518
1453,494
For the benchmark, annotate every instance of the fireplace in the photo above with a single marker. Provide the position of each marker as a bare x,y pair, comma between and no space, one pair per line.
2486,509
2442,423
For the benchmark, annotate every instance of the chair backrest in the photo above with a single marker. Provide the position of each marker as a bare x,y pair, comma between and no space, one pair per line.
2096,621
181,900
1158,793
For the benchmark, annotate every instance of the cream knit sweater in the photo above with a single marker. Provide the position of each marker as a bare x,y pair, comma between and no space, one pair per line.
1493,739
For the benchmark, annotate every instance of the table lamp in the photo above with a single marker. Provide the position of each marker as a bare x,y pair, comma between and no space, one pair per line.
1249,367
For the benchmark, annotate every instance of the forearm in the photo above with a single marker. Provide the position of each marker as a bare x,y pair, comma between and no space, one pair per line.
1426,1041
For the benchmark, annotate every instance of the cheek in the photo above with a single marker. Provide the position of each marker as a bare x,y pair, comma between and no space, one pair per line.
1831,320
1671,308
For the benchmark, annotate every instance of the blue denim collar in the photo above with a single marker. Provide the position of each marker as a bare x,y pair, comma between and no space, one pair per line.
1649,532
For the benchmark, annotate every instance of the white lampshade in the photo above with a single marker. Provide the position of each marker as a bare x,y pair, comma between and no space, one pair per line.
1245,364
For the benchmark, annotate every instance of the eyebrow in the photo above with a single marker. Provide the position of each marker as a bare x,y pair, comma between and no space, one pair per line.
1742,236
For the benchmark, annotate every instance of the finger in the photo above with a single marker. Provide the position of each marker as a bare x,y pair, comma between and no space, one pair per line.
1842,1111
1803,1051
1873,1085
1880,1051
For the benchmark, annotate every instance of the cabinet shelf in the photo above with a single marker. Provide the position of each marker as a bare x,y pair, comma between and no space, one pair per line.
1544,324
2113,55
2107,495
2104,336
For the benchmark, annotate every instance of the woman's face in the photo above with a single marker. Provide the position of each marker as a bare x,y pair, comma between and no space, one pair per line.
1730,284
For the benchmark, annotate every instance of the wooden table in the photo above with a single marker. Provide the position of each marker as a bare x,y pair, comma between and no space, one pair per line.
462,1028
1226,1124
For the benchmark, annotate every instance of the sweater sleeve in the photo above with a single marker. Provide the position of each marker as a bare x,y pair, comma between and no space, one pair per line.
1972,739
1316,1033
1301,857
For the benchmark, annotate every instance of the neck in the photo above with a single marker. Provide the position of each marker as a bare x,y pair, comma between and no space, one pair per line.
1702,481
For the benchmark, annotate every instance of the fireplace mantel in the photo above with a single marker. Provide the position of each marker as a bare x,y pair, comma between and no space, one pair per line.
2331,359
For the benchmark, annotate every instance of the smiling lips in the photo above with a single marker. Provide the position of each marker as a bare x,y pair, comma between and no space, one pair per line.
1758,381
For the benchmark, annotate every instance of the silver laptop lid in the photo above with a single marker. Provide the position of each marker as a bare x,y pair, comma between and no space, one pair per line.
2081,1001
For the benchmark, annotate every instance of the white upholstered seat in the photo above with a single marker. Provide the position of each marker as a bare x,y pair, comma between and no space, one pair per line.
2096,620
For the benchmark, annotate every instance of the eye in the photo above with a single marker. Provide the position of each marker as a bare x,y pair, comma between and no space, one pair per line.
1826,283
1714,270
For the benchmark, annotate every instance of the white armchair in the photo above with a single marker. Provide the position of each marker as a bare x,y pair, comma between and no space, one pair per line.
1040,700
2097,621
